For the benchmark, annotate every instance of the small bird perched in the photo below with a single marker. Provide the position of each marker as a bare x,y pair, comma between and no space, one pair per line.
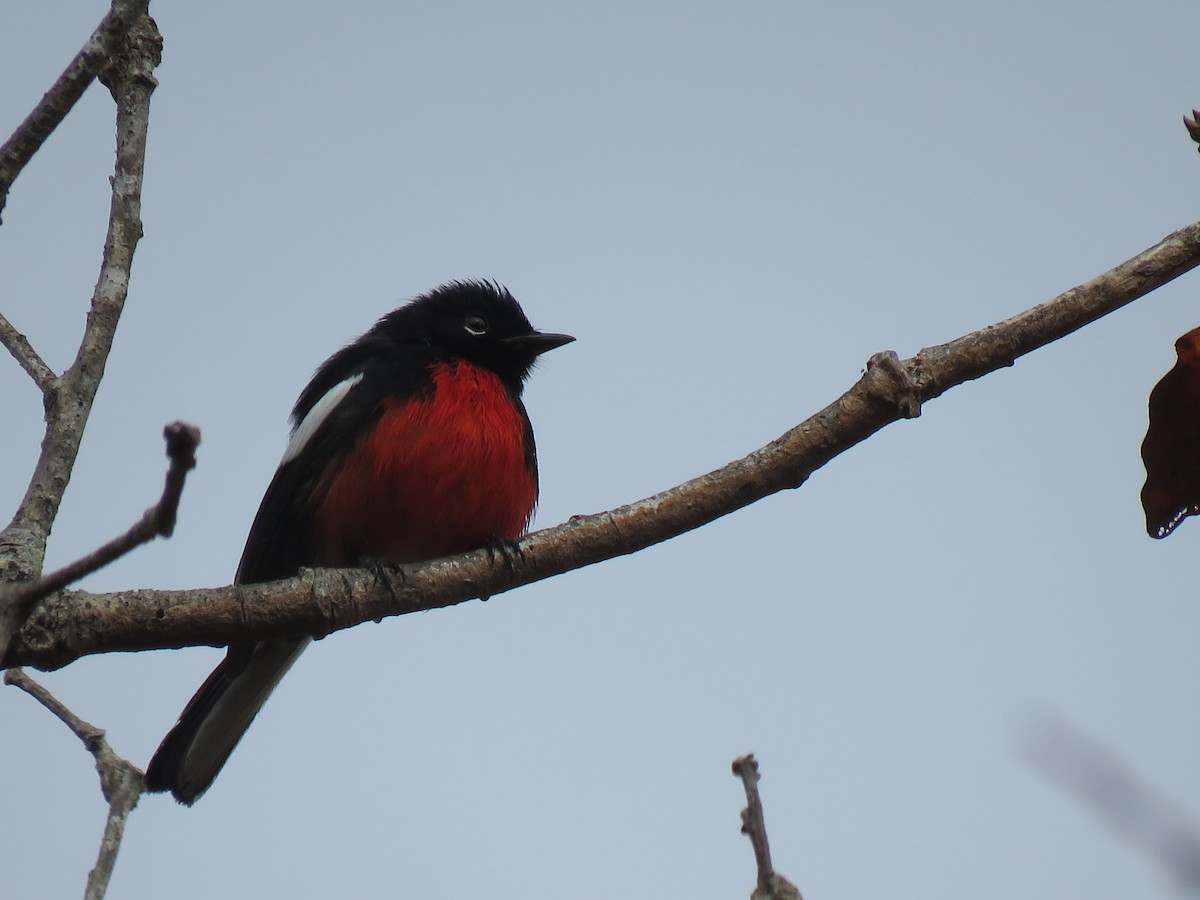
408,444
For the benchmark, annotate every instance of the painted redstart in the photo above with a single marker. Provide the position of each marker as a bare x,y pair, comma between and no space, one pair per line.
409,444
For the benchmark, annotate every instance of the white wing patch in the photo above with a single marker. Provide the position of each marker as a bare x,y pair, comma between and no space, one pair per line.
320,411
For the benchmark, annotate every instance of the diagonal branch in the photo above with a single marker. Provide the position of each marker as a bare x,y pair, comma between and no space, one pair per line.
75,624
17,601
121,782
22,351
23,542
16,152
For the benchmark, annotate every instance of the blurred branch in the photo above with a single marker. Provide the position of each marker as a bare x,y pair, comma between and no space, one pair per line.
22,351
1084,767
17,601
57,102
771,885
131,79
121,782
74,623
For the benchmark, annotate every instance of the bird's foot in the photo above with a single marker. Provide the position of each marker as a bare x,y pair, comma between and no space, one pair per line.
505,548
386,573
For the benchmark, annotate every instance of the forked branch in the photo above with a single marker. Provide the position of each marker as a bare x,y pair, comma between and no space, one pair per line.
69,398
57,102
18,600
121,782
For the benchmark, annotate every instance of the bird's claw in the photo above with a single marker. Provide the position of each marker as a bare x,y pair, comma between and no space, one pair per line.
506,548
385,573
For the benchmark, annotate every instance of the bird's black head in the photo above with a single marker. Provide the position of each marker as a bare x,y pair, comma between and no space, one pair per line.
476,320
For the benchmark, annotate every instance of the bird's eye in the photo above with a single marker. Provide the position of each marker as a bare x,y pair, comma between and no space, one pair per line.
475,325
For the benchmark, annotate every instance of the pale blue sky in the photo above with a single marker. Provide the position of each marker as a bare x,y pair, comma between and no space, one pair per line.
731,206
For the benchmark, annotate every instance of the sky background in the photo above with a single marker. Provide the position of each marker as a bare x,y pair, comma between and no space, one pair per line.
732,206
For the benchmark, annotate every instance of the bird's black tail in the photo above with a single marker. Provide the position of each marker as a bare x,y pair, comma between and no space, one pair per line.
215,719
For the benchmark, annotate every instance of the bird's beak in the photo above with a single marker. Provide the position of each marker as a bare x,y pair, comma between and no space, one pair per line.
537,343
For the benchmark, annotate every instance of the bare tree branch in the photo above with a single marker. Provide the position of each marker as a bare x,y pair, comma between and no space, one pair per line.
22,351
121,782
1085,768
23,542
16,152
771,885
122,52
157,521
74,624
18,600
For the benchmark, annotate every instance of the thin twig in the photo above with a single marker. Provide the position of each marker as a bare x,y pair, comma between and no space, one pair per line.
23,542
74,624
18,600
157,521
22,351
771,885
753,825
57,102
121,782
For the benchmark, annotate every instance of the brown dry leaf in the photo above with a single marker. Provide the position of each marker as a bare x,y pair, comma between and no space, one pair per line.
1171,450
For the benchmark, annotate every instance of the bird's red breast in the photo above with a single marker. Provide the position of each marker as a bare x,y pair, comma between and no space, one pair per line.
438,473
